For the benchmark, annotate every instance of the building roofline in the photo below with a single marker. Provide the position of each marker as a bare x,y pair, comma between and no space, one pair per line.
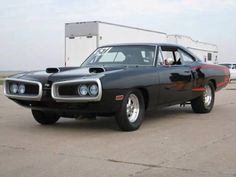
179,35
153,31
125,26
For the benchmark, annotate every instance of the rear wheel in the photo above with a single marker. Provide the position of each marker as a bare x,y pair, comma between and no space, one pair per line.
205,102
45,118
131,115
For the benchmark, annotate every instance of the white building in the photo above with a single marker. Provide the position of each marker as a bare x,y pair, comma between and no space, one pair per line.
205,51
82,38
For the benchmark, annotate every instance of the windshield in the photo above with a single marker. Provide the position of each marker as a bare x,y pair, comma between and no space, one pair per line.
122,55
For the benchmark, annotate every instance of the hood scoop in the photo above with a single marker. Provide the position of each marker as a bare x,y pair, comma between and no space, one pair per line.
52,70
96,70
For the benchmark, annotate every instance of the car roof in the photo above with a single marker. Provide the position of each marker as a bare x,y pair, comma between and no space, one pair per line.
155,44
152,44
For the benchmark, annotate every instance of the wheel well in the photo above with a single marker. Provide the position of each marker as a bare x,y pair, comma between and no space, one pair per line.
145,96
213,82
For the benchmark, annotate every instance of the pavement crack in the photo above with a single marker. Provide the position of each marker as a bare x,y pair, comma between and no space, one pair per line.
12,147
146,165
201,147
133,163
150,166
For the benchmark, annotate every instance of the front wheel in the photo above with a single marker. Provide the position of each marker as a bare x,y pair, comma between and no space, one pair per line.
131,115
205,102
45,118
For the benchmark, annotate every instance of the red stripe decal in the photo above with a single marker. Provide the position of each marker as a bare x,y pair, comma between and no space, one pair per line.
226,72
198,89
209,66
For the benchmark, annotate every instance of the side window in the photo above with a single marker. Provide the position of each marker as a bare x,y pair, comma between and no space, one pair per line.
177,58
177,55
186,57
167,54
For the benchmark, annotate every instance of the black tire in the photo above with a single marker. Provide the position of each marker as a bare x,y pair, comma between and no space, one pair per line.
45,118
122,118
199,104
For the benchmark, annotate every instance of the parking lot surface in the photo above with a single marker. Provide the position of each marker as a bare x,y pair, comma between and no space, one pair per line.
172,142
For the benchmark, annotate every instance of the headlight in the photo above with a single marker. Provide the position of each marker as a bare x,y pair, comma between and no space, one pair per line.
21,89
83,90
13,88
93,90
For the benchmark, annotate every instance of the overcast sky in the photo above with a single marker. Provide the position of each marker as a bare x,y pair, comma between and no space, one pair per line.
32,31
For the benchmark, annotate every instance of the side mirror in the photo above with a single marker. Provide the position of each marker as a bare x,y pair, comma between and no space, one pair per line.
169,61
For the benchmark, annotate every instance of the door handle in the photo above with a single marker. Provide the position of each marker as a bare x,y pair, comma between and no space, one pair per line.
186,71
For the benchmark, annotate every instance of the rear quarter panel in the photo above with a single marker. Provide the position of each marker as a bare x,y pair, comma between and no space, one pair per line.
219,75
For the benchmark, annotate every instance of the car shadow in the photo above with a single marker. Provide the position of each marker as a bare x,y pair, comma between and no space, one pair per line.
168,112
100,123
104,124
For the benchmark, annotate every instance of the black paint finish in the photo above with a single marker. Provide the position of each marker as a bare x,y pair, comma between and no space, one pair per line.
159,84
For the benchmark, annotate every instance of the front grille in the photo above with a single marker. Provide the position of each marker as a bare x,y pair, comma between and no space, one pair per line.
68,90
32,89
72,89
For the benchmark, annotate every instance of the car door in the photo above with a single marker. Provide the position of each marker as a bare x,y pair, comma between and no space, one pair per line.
176,78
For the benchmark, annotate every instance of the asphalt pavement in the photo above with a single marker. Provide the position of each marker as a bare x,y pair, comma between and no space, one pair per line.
172,142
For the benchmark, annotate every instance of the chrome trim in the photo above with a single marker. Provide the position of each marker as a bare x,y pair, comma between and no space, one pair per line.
207,96
22,97
132,108
59,98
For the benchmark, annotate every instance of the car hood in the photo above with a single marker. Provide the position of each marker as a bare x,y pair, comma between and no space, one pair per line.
67,73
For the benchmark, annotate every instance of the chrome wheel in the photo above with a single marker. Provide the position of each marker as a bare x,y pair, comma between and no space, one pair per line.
205,102
207,96
132,108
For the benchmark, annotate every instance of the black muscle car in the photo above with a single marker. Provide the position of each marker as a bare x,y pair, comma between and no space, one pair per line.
121,80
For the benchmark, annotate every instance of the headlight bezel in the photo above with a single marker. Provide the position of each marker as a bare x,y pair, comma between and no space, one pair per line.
73,98
34,97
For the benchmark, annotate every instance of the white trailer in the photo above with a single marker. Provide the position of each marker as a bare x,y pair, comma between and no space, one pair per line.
205,51
82,38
